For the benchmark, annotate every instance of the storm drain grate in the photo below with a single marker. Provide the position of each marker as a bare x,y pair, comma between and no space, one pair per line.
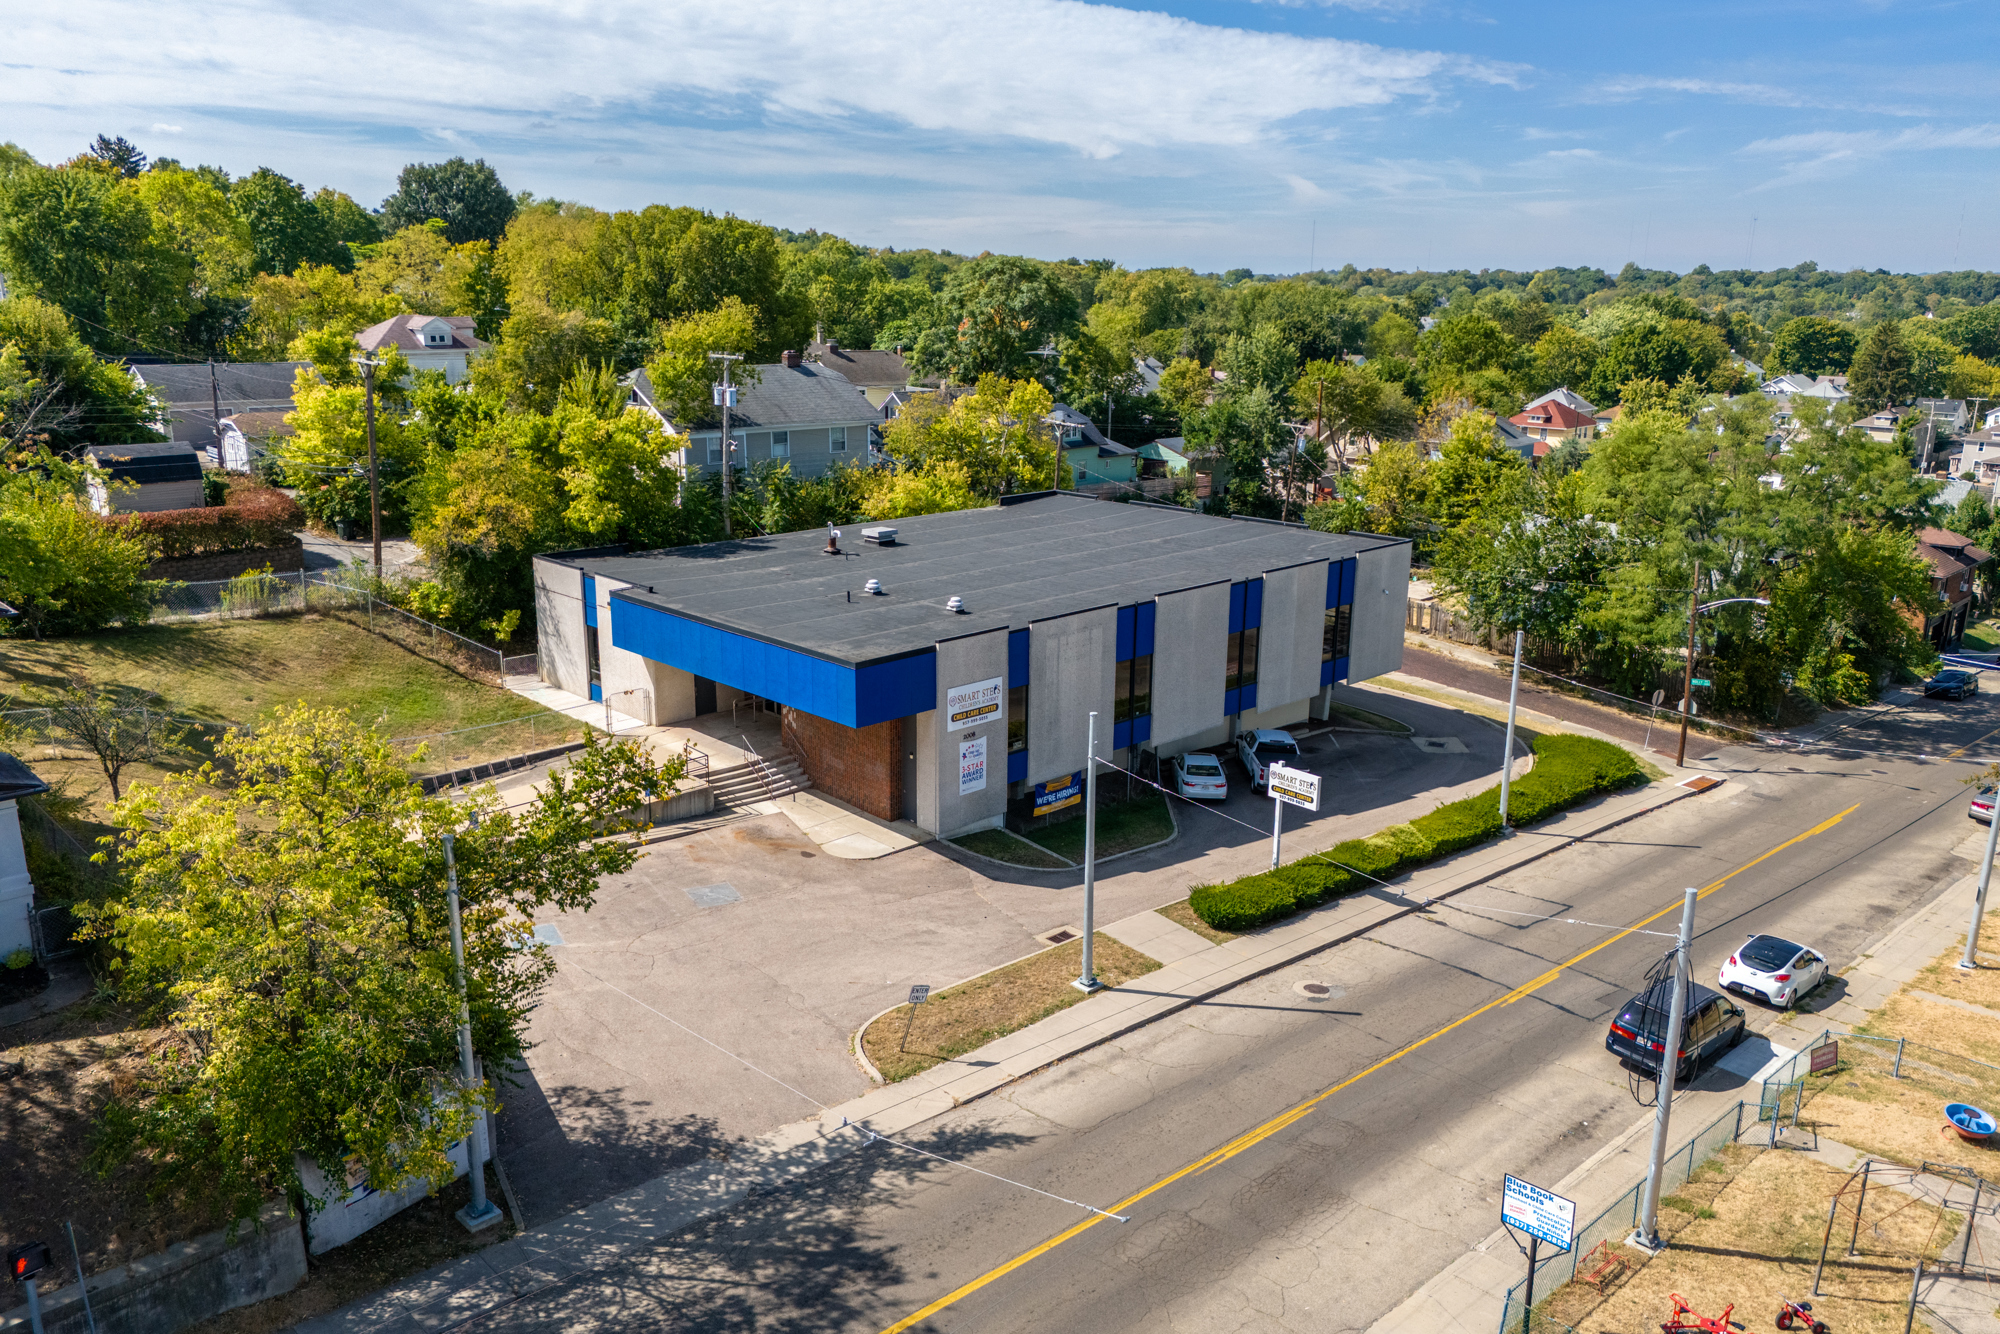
1699,783
714,896
1062,935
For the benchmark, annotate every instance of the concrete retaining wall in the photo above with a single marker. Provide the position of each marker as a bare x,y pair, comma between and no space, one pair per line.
181,1285
229,564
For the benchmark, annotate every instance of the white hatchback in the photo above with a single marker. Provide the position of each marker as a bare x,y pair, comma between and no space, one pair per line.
1773,969
1200,776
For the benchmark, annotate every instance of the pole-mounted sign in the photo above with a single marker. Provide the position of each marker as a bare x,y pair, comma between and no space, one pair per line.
1294,787
1544,1216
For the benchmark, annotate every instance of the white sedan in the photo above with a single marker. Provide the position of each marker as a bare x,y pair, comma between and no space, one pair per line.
1771,968
1199,776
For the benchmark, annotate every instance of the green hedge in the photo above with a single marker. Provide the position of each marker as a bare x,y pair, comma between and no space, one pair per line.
1568,770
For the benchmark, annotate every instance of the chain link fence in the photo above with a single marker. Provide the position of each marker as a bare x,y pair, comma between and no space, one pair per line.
1618,1220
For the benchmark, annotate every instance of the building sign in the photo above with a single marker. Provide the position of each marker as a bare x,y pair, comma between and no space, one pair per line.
980,702
1294,787
1538,1212
971,766
1059,793
1825,1057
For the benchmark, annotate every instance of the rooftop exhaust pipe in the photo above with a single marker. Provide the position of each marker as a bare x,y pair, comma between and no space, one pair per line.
873,586
955,604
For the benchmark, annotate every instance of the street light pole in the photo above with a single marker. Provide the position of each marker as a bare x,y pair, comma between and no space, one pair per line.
482,1212
1687,682
1971,959
1648,1233
1087,979
1507,760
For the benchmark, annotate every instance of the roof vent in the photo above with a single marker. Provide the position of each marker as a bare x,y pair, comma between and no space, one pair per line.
873,586
881,537
955,603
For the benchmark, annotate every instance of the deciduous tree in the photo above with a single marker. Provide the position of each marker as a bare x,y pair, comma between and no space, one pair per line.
466,196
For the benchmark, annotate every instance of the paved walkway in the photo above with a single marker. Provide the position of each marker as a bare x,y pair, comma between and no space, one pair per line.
603,1233
1468,1294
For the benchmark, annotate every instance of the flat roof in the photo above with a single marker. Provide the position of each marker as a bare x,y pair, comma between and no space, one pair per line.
1030,559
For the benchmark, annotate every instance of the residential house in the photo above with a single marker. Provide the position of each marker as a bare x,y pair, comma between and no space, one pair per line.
1952,559
1093,458
1978,454
1149,370
1555,421
1606,418
428,342
796,413
17,889
195,398
1792,385
163,476
1165,457
1574,401
877,374
1950,414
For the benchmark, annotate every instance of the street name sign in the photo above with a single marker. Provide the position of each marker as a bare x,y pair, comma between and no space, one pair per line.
1539,1213
1294,787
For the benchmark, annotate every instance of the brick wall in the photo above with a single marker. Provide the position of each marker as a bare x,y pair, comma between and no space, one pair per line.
229,564
861,766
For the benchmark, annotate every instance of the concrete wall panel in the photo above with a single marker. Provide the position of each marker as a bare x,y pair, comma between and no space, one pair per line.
1072,670
559,627
1292,636
1190,640
1381,600
961,662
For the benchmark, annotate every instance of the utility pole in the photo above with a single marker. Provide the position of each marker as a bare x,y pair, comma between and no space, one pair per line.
482,1212
368,365
1507,760
215,407
1087,979
725,398
1687,681
1971,959
1648,1234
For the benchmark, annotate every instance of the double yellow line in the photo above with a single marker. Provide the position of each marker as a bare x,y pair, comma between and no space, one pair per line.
1251,1138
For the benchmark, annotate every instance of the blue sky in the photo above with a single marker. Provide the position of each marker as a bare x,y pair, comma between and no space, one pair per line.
1217,134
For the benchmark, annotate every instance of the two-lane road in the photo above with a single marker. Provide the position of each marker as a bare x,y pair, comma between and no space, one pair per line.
1292,1165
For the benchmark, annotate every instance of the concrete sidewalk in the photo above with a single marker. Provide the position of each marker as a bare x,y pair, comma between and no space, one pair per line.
1194,970
1469,1293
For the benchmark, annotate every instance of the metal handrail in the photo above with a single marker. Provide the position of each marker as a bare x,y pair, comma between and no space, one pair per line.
765,772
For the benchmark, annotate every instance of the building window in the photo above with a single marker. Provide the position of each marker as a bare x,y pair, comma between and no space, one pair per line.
715,449
1135,689
836,440
781,444
1339,624
591,658
1017,719
1242,666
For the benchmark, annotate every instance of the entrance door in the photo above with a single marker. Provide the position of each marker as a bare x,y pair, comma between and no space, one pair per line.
909,751
704,695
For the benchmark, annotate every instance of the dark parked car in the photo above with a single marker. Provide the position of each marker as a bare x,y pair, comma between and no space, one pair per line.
1713,1025
1951,683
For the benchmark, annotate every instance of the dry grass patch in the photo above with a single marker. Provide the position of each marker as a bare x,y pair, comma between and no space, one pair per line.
1182,914
1763,1241
993,1005
1932,1024
1981,986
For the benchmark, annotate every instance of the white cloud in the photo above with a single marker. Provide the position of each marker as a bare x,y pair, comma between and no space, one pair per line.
1304,189
161,127
1825,144
985,72
1626,88
1572,153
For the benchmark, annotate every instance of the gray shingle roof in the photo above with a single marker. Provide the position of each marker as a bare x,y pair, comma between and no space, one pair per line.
863,366
169,462
237,383
783,396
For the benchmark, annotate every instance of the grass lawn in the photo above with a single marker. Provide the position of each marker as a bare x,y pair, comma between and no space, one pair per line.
993,1005
1183,914
234,671
1121,827
1983,636
1002,846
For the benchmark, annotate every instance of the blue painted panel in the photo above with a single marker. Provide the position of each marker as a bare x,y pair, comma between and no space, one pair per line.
1121,735
1349,572
1334,572
1326,672
1128,633
1236,592
1253,603
1142,729
829,690
1017,660
1231,702
1017,765
1147,613
1249,700
596,693
589,600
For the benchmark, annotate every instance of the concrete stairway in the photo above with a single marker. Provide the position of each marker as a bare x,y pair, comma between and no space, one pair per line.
751,782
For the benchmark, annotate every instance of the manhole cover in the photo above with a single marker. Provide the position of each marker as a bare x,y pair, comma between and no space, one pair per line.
714,896
1317,991
1062,935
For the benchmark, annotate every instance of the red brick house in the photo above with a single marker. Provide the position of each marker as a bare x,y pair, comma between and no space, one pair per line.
1953,559
1555,421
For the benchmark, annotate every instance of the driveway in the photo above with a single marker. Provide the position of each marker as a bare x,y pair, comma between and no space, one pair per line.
746,946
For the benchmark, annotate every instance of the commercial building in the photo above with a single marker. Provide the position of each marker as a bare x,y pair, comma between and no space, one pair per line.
945,668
